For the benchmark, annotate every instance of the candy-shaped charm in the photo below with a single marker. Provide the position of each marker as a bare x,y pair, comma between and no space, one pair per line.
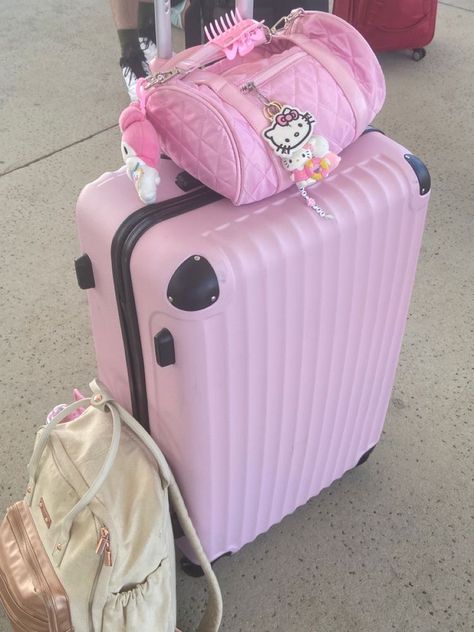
307,168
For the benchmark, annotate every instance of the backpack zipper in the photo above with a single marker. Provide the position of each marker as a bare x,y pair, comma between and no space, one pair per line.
103,546
103,549
98,527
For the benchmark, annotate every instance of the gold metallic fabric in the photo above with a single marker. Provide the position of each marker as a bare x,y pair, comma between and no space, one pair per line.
30,590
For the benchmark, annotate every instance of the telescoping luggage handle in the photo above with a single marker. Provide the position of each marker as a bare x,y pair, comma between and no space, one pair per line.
163,23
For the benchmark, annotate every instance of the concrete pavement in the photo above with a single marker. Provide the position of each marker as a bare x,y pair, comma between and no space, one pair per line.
389,547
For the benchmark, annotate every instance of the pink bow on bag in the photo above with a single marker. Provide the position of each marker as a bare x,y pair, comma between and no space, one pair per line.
287,116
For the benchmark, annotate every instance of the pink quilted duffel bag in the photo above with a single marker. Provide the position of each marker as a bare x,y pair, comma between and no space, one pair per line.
210,112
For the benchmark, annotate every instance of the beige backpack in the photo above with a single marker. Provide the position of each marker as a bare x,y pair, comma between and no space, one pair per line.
91,548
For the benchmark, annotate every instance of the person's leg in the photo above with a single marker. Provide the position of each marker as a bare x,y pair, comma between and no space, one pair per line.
125,14
135,30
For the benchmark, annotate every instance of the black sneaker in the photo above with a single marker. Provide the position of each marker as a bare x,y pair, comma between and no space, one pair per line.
149,48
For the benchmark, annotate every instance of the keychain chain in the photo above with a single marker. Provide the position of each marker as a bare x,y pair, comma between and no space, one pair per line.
312,204
270,108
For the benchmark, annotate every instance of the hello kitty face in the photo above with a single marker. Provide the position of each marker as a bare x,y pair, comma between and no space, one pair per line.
297,159
291,129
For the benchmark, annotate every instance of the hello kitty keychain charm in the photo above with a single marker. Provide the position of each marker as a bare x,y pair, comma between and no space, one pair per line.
305,155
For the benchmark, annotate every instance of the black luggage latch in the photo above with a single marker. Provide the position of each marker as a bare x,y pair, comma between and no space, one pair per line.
186,182
164,348
84,272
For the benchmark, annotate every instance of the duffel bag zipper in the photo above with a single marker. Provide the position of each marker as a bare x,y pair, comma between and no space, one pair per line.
28,552
260,79
280,66
161,77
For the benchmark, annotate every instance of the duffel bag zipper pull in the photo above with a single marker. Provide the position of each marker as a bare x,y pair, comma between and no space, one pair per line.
103,546
271,108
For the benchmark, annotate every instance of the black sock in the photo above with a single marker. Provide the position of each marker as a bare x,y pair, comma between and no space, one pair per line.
129,44
132,55
146,20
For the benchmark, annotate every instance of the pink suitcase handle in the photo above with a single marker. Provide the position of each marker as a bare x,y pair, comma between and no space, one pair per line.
163,23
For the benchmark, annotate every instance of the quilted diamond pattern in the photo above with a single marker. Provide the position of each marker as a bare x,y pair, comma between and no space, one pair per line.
188,130
215,142
345,42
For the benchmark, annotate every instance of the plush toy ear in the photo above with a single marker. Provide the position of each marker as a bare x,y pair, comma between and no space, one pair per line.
131,114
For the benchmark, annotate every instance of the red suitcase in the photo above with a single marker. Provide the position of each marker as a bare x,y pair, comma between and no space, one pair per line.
392,25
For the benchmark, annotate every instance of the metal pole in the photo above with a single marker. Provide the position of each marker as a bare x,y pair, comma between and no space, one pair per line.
163,28
245,8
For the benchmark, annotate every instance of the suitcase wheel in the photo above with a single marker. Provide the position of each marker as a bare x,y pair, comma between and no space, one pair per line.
365,456
194,570
190,569
418,54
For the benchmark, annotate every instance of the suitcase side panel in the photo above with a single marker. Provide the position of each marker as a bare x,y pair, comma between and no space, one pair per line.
102,207
284,383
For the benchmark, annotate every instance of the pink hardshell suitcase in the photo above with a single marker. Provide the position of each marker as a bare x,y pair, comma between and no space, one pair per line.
258,343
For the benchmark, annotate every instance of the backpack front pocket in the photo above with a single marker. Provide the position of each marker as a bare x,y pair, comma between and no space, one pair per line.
146,607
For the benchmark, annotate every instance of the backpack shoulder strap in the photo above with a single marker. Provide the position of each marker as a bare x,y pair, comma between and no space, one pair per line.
212,617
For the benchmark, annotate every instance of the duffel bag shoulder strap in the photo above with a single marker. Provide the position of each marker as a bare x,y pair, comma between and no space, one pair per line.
231,95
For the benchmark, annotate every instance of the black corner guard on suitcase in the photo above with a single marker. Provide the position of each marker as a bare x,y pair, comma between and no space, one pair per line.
194,285
418,166
421,172
84,272
371,128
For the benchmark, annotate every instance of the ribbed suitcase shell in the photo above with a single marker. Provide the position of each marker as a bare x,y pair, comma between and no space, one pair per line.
283,383
391,24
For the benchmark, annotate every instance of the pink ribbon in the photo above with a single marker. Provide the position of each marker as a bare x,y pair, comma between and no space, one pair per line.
286,118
